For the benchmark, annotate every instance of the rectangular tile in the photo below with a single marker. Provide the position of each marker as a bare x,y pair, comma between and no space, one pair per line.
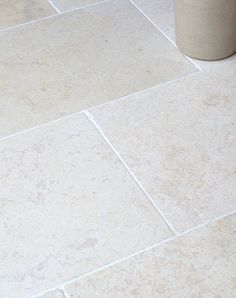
77,60
161,13
180,141
65,5
200,264
17,12
68,206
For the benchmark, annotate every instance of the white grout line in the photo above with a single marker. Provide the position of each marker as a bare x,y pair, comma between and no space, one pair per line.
85,6
39,126
90,117
155,25
208,222
30,22
163,33
64,292
57,288
60,288
143,90
193,62
52,16
93,107
54,6
92,120
121,260
77,8
150,247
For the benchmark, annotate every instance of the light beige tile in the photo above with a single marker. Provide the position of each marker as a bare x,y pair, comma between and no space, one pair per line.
65,5
205,65
17,12
161,13
68,63
180,141
200,264
68,206
52,294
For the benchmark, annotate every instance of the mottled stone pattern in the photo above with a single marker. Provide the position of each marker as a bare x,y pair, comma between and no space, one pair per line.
95,188
200,264
180,141
16,12
79,60
68,206
65,5
52,294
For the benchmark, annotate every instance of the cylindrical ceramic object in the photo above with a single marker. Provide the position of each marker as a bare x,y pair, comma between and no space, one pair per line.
206,29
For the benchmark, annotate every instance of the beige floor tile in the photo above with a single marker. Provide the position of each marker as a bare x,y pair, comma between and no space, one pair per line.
161,13
180,141
210,64
52,294
68,206
79,60
200,264
17,12
65,5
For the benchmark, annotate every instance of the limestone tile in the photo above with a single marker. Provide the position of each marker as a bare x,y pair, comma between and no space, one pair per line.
161,13
74,61
180,141
200,264
65,5
16,12
52,294
67,206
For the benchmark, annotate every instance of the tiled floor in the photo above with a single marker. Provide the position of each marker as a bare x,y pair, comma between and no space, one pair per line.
118,155
16,12
161,14
179,268
81,59
180,142
66,5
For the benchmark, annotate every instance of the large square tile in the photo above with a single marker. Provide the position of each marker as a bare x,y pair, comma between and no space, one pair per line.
200,264
16,12
68,206
77,60
180,141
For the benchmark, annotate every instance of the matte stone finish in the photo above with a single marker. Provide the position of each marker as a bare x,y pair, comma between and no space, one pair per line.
206,29
17,12
180,141
67,207
198,265
65,5
78,60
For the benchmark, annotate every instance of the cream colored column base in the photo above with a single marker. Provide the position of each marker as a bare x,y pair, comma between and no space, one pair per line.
206,29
